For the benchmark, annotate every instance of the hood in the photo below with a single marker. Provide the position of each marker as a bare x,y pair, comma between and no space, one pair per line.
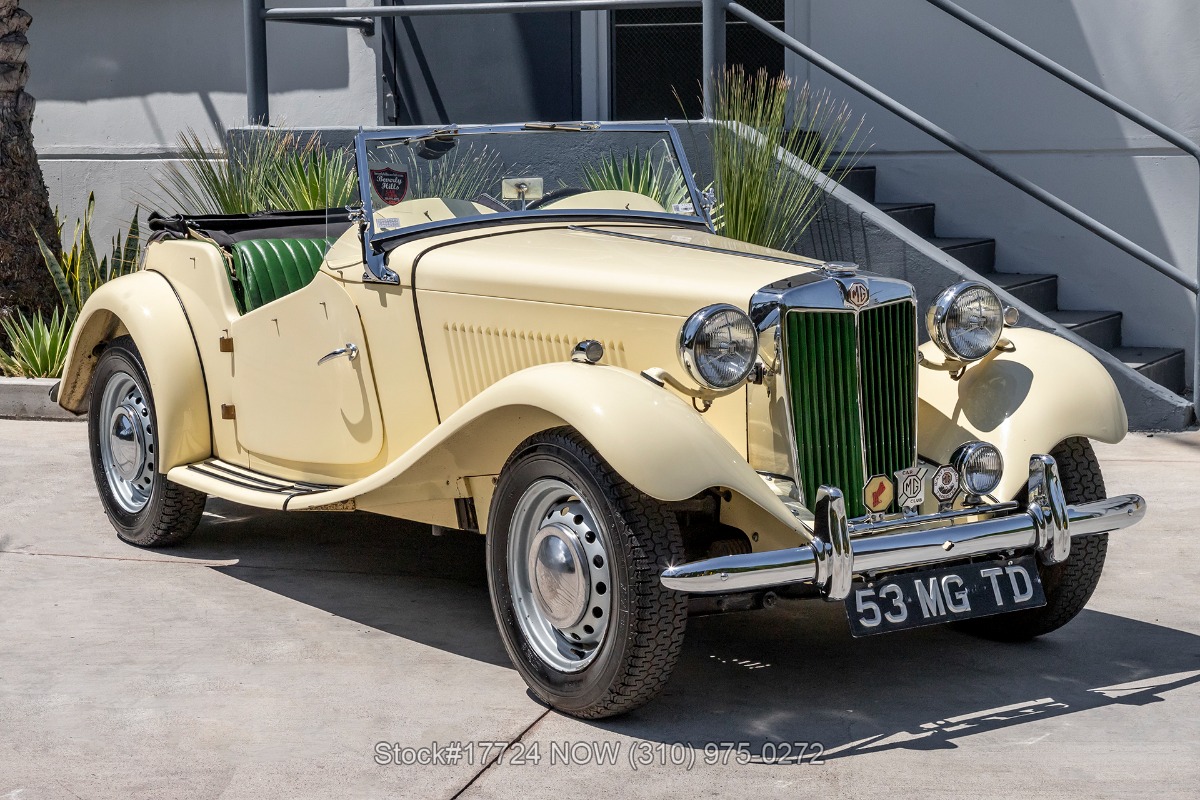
650,269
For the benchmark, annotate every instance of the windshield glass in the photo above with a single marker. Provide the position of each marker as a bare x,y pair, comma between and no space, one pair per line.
463,174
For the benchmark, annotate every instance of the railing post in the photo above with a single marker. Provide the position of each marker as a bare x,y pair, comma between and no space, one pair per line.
258,111
712,19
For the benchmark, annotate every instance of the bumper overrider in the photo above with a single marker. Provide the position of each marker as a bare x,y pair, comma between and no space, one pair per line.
842,549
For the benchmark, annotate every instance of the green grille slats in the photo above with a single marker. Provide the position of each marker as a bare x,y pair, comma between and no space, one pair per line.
887,341
834,442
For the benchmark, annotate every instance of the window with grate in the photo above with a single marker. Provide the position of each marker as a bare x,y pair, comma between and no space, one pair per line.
656,54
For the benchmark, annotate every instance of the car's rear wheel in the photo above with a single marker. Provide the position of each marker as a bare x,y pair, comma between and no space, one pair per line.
574,554
145,508
1068,585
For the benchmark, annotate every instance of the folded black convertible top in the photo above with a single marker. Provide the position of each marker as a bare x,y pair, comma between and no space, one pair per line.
229,228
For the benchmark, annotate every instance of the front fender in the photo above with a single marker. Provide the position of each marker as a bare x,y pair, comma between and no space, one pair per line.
144,306
1024,401
651,437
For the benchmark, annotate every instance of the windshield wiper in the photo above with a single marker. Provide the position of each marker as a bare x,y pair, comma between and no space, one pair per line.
562,126
449,130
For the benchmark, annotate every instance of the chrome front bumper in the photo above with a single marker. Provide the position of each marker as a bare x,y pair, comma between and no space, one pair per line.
841,549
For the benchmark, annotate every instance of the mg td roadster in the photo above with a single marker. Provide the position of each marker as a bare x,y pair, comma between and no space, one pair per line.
532,331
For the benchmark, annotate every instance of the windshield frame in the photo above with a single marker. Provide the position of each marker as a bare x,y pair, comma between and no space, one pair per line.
374,241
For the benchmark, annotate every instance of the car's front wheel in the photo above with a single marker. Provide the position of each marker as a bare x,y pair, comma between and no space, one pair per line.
1068,585
574,554
146,509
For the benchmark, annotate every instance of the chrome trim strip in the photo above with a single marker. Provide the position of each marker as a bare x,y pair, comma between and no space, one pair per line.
1045,528
827,293
692,246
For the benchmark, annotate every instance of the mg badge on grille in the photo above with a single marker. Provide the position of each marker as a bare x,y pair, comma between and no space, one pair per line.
910,486
857,294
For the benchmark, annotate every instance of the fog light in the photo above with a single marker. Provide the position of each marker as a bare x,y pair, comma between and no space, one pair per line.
979,466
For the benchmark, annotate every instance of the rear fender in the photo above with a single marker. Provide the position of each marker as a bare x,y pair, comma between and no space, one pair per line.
145,307
1024,401
653,439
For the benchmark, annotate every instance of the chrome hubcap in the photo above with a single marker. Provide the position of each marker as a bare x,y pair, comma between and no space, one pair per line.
127,444
559,575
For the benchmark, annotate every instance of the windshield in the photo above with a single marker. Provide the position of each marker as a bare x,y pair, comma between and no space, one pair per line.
431,178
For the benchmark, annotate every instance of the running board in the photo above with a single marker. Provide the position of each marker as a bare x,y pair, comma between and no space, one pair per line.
241,485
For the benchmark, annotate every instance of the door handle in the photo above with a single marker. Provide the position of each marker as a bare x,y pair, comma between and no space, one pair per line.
350,351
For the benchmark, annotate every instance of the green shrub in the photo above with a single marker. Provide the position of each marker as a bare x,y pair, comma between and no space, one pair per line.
463,174
275,171
760,200
639,172
78,274
38,347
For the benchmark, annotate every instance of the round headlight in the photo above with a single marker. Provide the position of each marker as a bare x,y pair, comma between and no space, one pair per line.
718,345
966,320
979,466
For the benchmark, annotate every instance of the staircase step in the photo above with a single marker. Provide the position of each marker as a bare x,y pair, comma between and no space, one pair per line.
1163,365
860,180
1101,328
1039,291
976,254
917,217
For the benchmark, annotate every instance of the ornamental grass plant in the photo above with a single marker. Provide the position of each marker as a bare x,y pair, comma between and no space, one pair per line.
759,197
274,171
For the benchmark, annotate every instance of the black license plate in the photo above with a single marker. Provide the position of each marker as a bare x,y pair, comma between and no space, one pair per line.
931,597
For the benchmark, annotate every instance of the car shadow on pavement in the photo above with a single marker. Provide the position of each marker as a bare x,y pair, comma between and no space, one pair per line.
791,674
796,675
389,574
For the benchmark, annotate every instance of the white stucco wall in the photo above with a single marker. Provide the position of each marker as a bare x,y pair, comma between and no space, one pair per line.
116,81
1146,53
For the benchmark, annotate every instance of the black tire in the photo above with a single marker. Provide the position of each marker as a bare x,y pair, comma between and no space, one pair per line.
1068,585
641,644
170,512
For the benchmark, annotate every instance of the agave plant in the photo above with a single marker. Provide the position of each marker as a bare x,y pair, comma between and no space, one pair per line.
760,199
640,172
77,274
38,347
273,171
460,174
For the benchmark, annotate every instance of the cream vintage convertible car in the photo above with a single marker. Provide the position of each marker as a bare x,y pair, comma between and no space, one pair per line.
531,331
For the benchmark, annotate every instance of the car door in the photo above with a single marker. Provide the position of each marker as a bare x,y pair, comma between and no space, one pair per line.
303,389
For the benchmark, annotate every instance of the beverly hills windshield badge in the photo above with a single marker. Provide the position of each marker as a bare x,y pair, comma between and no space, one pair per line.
856,293
390,184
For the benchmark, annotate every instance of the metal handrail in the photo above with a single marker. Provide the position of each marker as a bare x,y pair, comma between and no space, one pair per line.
1028,187
713,37
1112,102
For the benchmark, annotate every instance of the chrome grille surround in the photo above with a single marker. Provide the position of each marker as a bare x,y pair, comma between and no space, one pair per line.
819,291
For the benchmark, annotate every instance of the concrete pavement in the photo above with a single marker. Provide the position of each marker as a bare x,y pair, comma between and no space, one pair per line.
269,655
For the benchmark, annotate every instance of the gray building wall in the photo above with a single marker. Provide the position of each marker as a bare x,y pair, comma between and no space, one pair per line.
1146,53
116,81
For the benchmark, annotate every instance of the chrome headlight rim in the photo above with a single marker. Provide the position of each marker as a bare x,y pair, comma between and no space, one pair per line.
937,319
689,338
966,456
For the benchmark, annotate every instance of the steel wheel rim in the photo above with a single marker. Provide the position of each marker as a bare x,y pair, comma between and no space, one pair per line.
126,433
559,575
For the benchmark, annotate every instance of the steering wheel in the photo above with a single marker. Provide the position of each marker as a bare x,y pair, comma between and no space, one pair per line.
556,194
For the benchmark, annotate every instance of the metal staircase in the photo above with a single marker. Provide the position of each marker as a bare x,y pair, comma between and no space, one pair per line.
1165,366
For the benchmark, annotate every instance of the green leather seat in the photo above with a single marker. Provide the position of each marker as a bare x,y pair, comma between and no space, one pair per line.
268,269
